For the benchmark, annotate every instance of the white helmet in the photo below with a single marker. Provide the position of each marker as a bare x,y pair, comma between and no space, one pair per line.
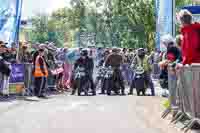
167,39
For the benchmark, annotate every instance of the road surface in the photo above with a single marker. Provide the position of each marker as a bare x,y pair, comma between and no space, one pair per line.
73,114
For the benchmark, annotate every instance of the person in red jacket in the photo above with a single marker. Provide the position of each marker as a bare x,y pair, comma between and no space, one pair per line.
190,44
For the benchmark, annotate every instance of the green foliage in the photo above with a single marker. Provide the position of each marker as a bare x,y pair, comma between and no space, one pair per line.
123,23
180,3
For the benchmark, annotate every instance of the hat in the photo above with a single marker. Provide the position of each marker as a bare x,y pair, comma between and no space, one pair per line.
2,44
115,49
41,50
42,46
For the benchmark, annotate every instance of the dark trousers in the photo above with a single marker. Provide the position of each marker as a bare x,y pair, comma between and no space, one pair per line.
118,78
90,78
149,82
40,84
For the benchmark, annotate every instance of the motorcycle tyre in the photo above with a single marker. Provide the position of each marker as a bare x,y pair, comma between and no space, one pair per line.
141,90
108,86
79,88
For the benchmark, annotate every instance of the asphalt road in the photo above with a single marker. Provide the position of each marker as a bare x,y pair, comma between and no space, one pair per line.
73,114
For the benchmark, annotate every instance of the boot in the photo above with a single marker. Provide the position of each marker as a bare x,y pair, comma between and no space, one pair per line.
130,92
123,93
73,92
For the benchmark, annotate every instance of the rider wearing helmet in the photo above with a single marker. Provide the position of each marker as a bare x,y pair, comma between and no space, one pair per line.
100,65
86,62
115,60
142,60
104,57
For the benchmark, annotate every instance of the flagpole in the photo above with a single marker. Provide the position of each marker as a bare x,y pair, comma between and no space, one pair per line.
19,12
174,18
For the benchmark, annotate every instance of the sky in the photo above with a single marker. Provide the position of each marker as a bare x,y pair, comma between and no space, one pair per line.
31,7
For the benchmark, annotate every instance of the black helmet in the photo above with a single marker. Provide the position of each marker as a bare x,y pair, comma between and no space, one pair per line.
84,52
141,52
115,49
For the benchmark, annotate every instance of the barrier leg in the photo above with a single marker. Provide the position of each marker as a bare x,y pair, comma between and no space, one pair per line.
179,118
166,112
176,116
190,125
186,125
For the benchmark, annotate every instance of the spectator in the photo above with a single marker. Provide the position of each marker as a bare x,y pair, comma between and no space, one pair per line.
179,39
25,56
4,75
171,56
190,45
40,73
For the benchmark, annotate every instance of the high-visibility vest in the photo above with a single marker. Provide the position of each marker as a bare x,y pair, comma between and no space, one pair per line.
38,72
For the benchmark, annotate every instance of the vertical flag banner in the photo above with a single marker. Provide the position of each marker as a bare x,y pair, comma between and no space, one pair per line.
157,3
164,24
10,17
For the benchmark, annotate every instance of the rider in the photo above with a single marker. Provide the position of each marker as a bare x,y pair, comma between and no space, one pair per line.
100,64
141,59
102,60
115,60
87,63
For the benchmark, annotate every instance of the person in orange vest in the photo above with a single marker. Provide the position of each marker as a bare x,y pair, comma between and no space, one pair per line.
40,74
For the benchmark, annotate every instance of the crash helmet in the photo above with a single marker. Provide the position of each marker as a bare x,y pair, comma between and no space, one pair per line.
167,40
84,52
141,52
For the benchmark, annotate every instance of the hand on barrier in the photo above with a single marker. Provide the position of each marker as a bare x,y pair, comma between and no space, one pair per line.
164,63
178,67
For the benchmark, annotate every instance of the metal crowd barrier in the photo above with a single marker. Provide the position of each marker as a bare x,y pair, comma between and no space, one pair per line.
26,87
185,95
173,93
155,71
28,79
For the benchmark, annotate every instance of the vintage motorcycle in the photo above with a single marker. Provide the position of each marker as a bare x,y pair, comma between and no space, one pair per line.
99,79
139,81
108,83
80,78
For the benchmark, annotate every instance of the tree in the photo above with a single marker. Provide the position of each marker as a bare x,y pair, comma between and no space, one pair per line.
180,3
115,23
40,31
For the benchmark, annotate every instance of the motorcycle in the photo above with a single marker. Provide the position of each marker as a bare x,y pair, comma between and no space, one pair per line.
139,81
80,78
100,78
108,83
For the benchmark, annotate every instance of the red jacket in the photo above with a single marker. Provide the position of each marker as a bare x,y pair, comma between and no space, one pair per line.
191,43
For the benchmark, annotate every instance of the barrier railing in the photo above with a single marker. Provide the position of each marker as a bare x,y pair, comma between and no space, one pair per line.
184,88
155,71
21,80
